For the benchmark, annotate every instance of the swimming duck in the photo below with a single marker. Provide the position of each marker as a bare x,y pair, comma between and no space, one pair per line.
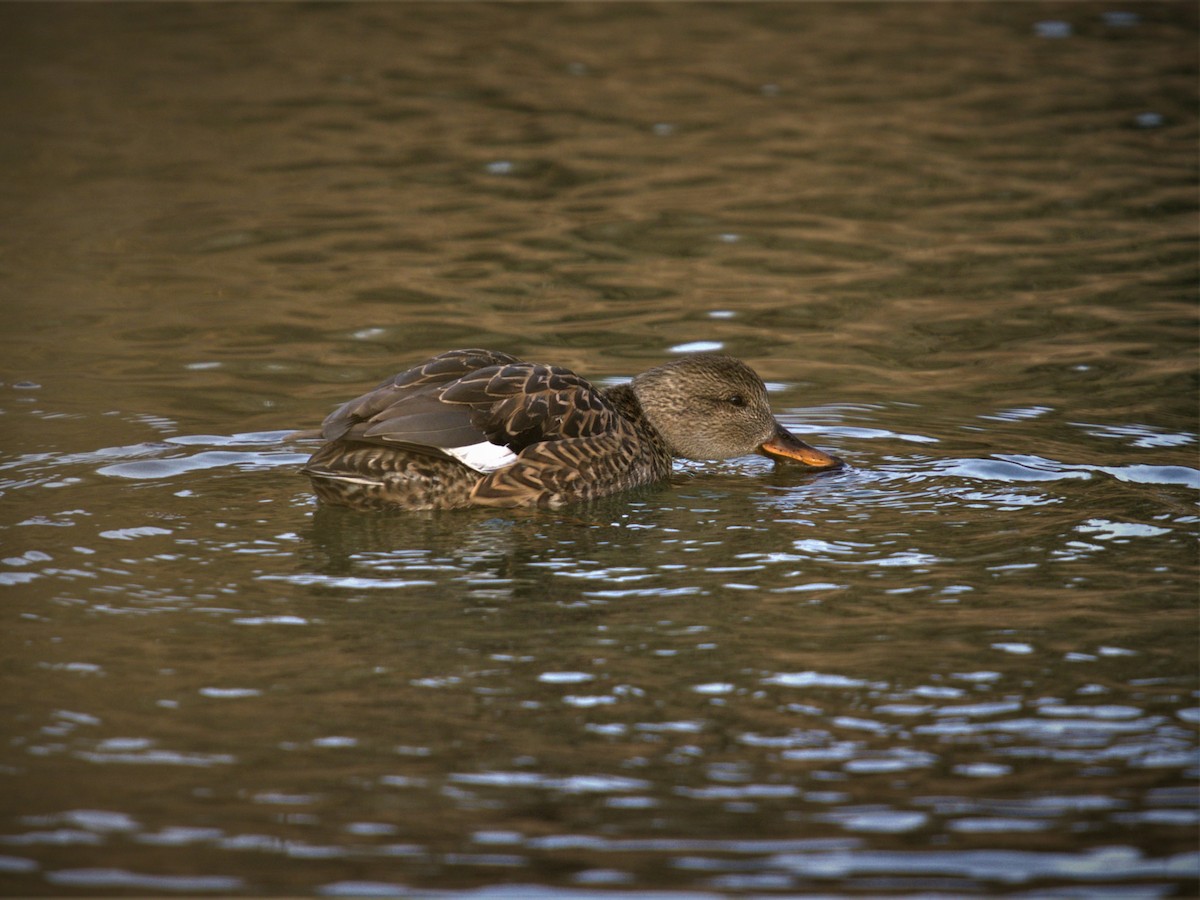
483,428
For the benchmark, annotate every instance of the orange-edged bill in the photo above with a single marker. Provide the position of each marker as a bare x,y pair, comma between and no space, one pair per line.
785,445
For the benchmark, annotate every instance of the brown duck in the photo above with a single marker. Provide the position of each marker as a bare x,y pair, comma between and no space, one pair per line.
482,428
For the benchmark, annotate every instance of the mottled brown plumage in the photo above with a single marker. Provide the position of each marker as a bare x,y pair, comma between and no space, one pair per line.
421,438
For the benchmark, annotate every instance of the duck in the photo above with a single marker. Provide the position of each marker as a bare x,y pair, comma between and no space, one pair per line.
482,428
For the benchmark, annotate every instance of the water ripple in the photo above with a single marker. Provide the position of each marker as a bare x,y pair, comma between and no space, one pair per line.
173,466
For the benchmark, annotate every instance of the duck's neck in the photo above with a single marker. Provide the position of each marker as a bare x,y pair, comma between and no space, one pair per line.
622,398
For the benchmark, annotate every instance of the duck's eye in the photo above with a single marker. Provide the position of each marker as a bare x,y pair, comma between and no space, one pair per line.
736,400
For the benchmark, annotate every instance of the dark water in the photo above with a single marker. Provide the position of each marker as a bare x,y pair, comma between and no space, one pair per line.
959,241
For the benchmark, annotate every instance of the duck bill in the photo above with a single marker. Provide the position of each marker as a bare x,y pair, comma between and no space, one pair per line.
785,445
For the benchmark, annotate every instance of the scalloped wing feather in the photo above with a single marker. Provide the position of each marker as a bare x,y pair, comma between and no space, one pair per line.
465,397
362,418
526,403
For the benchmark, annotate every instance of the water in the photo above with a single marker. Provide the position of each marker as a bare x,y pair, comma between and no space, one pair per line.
959,242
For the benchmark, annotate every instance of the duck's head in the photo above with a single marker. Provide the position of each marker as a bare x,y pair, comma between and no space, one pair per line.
709,406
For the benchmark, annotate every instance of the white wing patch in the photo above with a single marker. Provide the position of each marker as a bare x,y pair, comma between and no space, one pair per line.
483,457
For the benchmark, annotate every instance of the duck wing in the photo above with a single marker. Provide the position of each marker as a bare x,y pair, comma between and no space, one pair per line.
361,419
521,403
468,397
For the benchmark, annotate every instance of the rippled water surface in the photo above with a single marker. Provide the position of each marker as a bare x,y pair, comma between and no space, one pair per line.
958,241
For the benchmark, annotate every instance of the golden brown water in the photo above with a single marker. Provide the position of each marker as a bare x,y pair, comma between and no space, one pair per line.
958,240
